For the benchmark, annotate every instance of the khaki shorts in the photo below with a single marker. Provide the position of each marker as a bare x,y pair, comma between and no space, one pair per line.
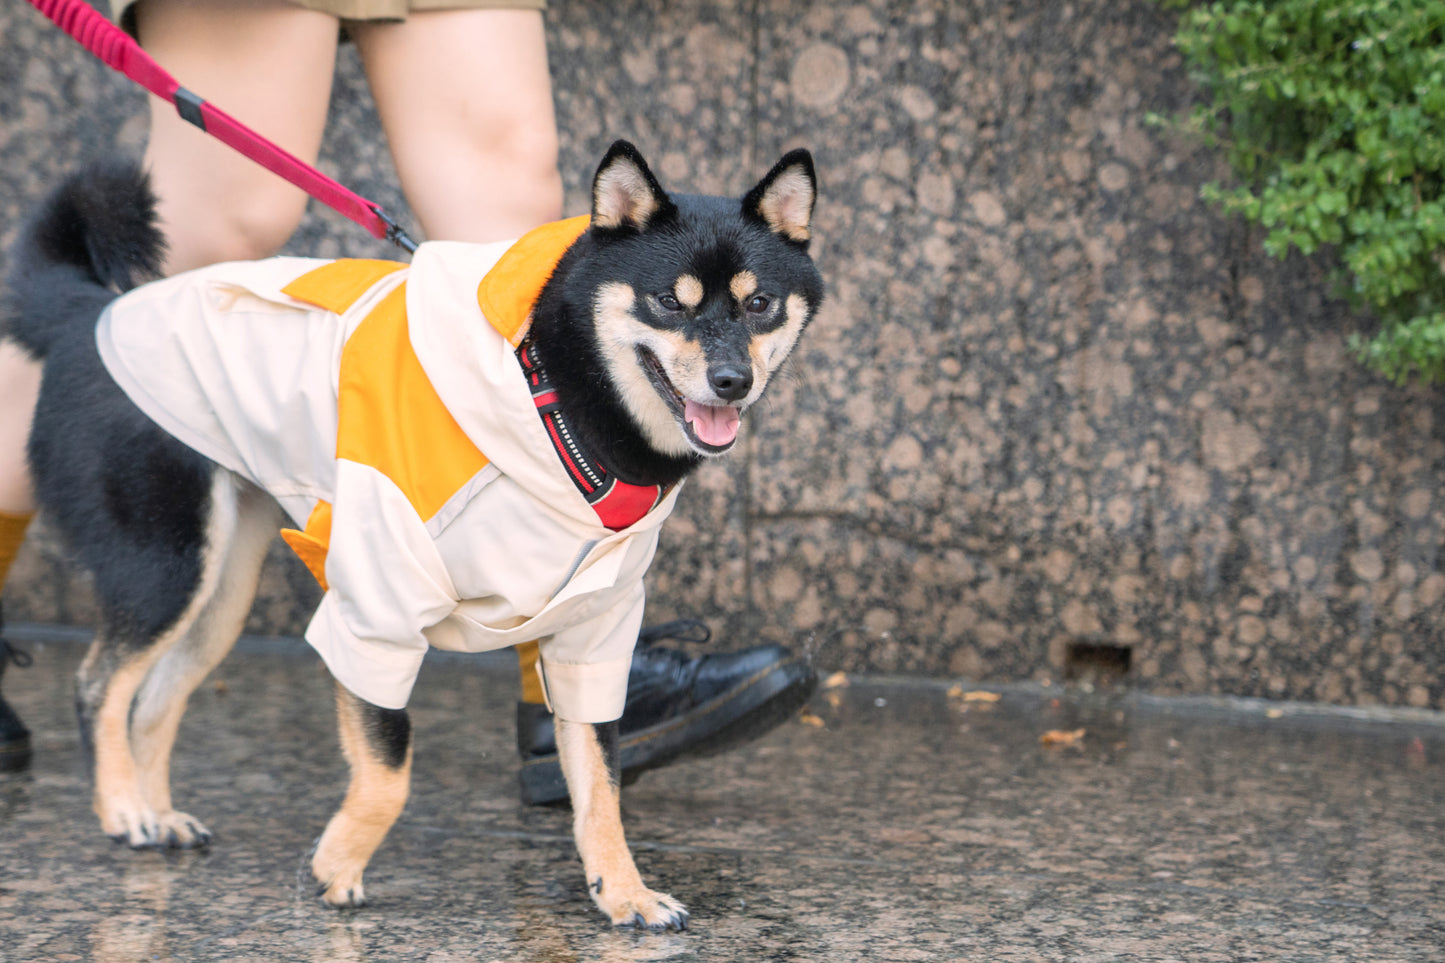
123,14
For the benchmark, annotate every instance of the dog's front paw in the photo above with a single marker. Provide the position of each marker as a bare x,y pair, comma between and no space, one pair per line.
638,906
339,878
177,830
342,893
139,827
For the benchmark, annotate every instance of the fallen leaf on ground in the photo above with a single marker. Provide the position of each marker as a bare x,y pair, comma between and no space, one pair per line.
1062,737
836,680
981,696
808,719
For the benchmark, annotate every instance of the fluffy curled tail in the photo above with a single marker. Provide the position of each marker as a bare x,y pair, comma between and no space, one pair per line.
94,236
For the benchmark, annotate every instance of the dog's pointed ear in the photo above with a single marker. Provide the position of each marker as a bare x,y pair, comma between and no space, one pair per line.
625,195
783,200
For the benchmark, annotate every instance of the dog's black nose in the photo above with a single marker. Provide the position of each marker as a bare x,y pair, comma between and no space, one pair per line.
730,381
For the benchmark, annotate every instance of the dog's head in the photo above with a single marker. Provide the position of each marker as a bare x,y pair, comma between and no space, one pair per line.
697,301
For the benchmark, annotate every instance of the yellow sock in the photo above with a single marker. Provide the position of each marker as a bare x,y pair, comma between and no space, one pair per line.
12,535
527,655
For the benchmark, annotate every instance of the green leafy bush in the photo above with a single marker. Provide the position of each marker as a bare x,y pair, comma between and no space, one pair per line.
1333,115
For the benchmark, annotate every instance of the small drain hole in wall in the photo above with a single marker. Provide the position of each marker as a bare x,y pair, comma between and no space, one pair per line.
1096,664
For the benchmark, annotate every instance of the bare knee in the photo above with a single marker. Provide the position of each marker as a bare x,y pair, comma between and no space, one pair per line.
257,231
532,155
491,181
214,204
247,228
526,144
526,163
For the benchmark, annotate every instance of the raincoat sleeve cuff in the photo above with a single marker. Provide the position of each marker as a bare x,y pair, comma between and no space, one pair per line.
380,673
595,692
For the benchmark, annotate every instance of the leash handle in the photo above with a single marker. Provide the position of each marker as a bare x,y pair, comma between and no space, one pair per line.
119,51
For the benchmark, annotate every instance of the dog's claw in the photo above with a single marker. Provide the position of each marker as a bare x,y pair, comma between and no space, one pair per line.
164,830
675,920
351,899
339,896
348,899
648,910
341,882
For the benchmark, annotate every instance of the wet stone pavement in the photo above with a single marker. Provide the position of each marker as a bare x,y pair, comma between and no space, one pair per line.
893,821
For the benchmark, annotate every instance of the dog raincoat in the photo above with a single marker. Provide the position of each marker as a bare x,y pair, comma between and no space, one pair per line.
384,408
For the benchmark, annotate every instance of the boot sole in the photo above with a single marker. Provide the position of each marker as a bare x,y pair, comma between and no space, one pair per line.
741,714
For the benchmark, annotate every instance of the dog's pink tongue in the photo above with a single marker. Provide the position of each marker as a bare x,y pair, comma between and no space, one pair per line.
715,425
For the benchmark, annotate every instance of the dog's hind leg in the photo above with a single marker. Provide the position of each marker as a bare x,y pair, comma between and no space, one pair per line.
244,521
377,745
589,758
107,682
153,591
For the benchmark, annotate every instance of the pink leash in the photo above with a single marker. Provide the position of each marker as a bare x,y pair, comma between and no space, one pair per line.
119,51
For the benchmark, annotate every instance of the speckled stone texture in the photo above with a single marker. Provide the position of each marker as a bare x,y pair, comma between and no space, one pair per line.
1053,399
904,823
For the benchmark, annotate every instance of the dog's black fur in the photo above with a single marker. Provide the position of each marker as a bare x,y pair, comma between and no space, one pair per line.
706,234
132,494
709,296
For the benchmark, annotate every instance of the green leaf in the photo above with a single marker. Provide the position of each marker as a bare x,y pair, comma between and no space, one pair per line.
1332,114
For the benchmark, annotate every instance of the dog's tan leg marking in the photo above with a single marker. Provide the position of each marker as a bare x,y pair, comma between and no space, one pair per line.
113,673
162,699
124,814
612,877
374,799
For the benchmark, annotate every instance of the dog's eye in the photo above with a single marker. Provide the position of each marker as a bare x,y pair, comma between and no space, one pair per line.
758,304
669,302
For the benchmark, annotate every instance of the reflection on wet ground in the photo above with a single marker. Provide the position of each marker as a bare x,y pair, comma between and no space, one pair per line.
893,821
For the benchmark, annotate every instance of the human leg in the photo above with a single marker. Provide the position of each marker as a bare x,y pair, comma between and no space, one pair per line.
19,384
465,98
269,64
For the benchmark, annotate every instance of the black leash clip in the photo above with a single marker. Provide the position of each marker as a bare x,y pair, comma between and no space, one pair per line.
394,232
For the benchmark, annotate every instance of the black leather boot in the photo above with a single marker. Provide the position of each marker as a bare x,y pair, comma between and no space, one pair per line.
14,737
676,707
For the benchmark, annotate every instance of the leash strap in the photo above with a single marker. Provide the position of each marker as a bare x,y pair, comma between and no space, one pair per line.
119,51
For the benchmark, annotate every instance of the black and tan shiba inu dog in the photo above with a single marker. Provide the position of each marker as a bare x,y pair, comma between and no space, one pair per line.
654,328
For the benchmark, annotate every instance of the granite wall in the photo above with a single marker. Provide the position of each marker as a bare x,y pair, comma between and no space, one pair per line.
1058,417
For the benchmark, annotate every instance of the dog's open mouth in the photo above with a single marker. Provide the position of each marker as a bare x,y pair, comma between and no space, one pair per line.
712,428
